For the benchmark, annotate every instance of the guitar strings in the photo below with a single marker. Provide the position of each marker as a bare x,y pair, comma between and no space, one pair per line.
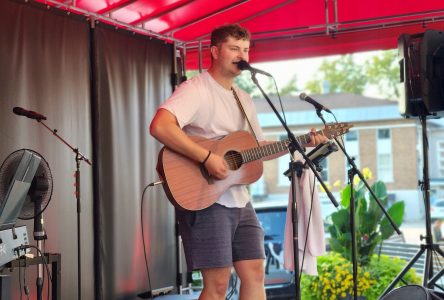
236,159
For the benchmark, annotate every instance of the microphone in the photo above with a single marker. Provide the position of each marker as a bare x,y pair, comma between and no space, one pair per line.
317,105
28,113
243,65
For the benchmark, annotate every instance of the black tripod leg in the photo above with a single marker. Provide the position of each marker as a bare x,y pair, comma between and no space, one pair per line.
403,272
437,249
428,267
435,278
438,275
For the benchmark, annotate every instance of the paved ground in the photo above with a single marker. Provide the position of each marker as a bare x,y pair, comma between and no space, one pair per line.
412,231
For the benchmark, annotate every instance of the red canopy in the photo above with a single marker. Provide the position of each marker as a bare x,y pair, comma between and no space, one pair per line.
281,29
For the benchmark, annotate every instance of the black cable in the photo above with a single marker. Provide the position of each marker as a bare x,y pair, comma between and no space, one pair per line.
143,238
341,137
25,286
233,288
20,280
280,100
435,256
308,227
24,247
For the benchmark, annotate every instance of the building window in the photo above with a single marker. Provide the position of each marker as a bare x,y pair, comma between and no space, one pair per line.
441,158
258,189
384,155
324,172
351,136
383,134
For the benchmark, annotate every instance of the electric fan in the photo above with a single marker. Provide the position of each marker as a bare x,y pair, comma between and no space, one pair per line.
40,191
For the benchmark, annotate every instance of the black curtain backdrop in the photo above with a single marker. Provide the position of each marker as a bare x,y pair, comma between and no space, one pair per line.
132,76
44,66
99,88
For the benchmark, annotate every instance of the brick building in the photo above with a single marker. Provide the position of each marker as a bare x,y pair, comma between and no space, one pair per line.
382,140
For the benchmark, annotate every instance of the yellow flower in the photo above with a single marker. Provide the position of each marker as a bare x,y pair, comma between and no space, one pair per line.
356,180
367,173
327,185
337,183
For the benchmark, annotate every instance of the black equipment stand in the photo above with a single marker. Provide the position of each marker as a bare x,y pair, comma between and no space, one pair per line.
39,236
295,167
428,279
51,258
351,174
78,158
293,147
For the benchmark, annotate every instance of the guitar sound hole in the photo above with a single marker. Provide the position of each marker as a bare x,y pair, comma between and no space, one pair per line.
233,159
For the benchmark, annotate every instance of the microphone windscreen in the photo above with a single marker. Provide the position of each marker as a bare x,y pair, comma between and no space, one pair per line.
302,96
243,65
17,110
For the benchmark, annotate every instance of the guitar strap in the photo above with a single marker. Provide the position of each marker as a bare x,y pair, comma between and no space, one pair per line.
244,113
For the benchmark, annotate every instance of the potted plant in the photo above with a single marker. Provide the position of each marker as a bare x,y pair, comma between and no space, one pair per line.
335,277
372,226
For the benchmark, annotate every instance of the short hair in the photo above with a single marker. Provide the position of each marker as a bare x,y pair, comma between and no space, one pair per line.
220,34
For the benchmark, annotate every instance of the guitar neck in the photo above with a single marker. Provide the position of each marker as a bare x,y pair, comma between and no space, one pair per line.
260,152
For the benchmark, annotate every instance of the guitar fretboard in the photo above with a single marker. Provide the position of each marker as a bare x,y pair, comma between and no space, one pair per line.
272,148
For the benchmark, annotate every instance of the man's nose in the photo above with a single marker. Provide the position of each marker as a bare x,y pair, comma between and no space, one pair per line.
243,56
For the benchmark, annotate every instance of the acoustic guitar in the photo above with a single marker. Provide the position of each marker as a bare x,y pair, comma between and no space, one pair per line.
187,183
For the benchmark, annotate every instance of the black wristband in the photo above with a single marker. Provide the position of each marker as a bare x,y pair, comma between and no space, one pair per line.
206,158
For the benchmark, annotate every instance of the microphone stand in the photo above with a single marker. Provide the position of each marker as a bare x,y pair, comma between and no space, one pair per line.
351,174
294,146
78,158
39,236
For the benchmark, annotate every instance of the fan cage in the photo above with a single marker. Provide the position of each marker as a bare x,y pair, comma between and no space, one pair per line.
43,174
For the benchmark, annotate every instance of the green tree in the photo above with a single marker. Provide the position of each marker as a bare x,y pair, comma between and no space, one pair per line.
344,74
290,87
383,71
244,82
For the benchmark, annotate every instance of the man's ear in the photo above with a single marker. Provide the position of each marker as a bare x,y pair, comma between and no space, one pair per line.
214,52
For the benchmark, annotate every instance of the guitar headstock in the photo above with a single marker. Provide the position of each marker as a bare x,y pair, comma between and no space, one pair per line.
333,130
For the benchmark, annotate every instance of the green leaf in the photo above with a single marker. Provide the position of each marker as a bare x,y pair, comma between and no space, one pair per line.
380,191
369,223
336,245
396,212
341,220
345,196
333,231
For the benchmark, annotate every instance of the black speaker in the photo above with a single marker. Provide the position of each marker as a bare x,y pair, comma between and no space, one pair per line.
411,103
432,70
412,292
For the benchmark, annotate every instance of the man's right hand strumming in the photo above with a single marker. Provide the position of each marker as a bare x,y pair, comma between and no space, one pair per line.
217,166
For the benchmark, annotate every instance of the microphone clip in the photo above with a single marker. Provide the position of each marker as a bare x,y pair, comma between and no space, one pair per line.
320,152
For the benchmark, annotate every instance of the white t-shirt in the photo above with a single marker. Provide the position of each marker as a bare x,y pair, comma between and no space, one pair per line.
204,108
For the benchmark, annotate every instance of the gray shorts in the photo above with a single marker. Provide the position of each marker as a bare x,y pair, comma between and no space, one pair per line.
217,236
